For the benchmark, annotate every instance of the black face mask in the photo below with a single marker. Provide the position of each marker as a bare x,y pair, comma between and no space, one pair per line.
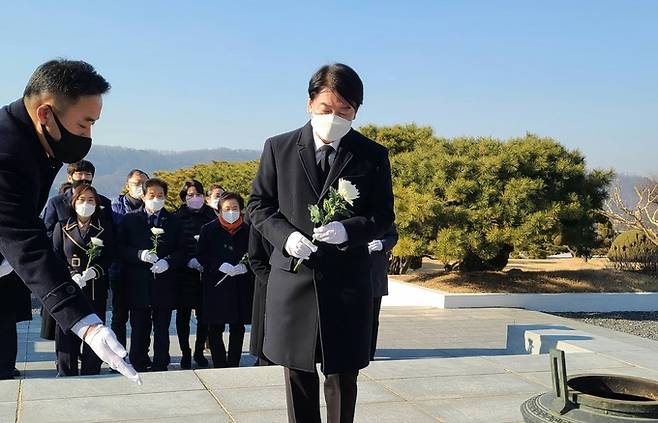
79,182
70,148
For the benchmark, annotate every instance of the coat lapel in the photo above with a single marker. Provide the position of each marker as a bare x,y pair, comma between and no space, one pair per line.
343,157
307,156
72,232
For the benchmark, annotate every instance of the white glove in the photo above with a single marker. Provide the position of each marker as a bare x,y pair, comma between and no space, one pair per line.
104,343
194,264
240,269
299,246
148,257
226,268
331,233
375,245
77,278
160,266
89,274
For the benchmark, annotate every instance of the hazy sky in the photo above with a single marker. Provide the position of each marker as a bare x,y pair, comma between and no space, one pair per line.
191,74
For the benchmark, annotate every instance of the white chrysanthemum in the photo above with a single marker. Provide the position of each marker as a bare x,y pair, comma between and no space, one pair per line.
196,238
97,241
348,191
157,231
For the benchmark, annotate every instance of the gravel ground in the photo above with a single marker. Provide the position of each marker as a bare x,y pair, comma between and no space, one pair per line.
640,323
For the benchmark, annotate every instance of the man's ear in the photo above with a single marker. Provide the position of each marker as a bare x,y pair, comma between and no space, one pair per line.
42,113
308,105
69,179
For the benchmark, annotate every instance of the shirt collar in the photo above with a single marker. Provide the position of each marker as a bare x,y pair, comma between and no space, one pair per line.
319,143
156,214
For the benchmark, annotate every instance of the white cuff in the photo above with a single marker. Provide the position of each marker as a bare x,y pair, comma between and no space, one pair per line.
83,324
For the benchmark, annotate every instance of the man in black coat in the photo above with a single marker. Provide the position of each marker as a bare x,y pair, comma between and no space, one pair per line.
149,271
51,124
380,251
324,310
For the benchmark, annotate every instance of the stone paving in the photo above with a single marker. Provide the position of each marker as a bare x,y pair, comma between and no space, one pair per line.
432,365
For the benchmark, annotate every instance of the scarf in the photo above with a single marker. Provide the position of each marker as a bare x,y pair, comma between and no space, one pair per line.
231,228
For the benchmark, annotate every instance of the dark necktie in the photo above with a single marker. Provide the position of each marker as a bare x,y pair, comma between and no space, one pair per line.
323,164
152,220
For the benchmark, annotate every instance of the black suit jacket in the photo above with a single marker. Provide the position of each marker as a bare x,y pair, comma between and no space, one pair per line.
142,288
58,209
26,175
331,296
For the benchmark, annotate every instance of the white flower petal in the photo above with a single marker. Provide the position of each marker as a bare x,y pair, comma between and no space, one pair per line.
97,241
347,190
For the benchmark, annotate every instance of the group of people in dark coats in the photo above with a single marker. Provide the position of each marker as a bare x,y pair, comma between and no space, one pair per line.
156,262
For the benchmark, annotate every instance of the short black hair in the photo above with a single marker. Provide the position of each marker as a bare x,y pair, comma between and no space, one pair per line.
155,182
190,183
81,166
134,171
66,80
213,187
232,196
340,79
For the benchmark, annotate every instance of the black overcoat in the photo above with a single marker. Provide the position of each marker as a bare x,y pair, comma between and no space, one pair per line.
231,301
331,295
142,287
26,175
259,260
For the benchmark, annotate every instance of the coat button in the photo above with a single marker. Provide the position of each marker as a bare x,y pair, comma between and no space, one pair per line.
70,290
319,276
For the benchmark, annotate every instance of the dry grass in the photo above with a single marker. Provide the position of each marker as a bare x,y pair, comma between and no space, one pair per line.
535,276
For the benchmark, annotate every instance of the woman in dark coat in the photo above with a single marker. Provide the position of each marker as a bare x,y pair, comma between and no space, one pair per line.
73,240
259,260
193,214
222,252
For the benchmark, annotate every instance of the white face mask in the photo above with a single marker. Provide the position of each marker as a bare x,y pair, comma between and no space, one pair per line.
155,204
214,203
85,209
231,216
136,192
330,127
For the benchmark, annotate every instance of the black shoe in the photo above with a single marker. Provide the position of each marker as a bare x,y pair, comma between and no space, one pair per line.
200,359
159,368
186,361
6,377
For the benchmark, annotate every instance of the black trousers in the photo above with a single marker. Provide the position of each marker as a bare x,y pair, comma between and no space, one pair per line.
183,316
377,306
217,348
119,311
68,354
141,323
303,396
8,344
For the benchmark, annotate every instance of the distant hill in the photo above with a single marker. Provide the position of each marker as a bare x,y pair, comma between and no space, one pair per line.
114,163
